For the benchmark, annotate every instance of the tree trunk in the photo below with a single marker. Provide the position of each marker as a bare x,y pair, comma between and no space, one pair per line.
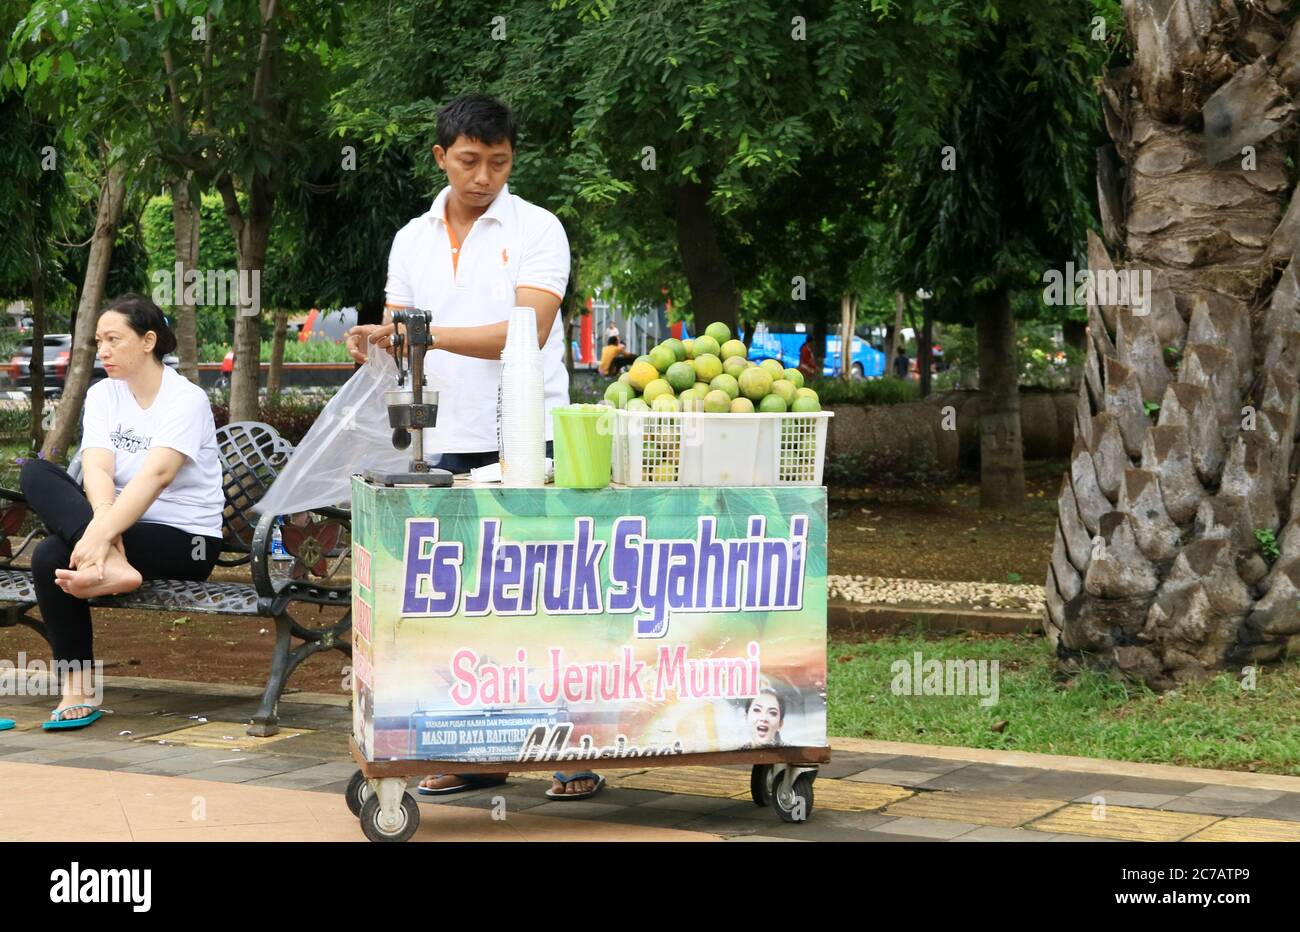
848,315
713,286
251,236
819,331
276,369
1002,452
111,195
895,333
1184,452
925,346
186,225
37,362
246,374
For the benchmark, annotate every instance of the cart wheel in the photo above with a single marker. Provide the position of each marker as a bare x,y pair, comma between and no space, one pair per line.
408,820
797,804
357,793
760,784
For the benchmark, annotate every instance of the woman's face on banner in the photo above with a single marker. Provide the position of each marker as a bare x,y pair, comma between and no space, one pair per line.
764,718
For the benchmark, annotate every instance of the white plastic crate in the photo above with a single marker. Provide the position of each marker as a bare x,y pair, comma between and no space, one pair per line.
690,449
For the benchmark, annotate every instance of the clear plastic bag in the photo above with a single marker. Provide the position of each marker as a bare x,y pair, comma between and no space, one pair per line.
350,435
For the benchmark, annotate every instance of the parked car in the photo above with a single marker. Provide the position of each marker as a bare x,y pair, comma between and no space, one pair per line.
58,350
867,361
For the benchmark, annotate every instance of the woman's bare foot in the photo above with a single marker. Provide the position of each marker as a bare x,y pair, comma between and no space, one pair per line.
119,576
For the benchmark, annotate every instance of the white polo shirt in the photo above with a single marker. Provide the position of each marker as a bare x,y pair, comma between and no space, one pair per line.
513,244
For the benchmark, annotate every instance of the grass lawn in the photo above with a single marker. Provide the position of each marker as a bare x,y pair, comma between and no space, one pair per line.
1216,723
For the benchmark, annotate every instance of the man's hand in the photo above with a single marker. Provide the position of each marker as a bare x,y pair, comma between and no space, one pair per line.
361,336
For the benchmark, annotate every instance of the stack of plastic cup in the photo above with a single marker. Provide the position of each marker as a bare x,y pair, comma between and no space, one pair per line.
521,413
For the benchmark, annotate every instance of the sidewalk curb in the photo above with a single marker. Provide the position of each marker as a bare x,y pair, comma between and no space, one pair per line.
1097,765
848,618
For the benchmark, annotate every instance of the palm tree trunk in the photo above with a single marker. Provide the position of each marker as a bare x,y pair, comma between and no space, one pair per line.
1002,451
1181,476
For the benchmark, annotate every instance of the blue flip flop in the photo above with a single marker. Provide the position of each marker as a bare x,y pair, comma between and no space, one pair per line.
473,781
6,724
58,723
581,775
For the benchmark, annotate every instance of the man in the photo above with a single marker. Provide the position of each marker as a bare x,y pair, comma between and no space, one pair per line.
613,357
901,363
477,252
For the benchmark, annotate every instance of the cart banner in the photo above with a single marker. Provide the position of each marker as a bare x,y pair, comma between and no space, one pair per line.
570,625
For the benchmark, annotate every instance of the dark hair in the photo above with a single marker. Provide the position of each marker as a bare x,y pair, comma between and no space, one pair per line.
612,341
477,116
142,315
769,691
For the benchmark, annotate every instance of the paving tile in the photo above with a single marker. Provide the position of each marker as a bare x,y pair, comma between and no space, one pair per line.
514,801
860,821
856,796
1124,822
42,756
934,829
815,829
930,764
73,741
1072,838
695,804
576,809
655,818
696,781
1237,794
980,778
116,760
1060,785
184,760
845,764
1117,797
274,763
309,777
321,744
1286,806
897,777
996,833
1249,830
720,825
1002,811
227,773
740,838
875,837
1209,805
1158,787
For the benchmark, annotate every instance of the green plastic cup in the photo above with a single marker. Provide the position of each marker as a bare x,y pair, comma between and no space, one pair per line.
584,445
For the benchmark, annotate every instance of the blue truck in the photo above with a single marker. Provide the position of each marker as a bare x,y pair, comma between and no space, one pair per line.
868,362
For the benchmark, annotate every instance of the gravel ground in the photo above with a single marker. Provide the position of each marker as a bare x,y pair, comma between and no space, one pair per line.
876,590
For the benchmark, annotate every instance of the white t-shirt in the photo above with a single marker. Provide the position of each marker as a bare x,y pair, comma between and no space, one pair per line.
180,419
513,244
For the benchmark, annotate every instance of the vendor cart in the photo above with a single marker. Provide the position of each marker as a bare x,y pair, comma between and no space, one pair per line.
523,629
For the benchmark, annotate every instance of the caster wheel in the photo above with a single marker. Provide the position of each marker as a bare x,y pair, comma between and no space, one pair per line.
407,822
760,784
797,804
357,793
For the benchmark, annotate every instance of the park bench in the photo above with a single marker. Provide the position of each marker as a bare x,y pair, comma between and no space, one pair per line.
319,541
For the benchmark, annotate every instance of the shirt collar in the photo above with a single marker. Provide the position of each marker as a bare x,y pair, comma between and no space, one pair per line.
496,210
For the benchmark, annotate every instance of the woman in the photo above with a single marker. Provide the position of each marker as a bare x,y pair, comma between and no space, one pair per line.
152,503
764,717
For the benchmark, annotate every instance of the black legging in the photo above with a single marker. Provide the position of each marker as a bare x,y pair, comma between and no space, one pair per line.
156,550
